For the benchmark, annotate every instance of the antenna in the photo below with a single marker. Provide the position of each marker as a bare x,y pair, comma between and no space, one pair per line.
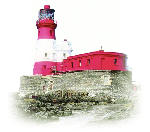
101,47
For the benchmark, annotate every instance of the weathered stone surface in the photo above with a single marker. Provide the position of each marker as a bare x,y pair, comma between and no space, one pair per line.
97,83
109,94
35,85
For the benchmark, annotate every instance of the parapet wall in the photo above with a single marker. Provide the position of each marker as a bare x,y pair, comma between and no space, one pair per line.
111,83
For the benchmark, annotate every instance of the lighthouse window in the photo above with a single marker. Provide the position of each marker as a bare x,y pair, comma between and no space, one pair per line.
45,54
115,61
64,55
49,14
51,32
79,62
54,57
72,64
88,61
44,66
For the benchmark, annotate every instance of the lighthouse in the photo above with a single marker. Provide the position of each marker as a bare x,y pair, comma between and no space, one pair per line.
52,57
49,54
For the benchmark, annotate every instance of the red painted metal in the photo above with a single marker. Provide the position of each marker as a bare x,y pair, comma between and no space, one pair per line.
46,26
98,60
46,29
46,6
47,68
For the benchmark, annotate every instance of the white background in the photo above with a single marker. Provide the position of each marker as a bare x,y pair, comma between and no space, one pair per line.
117,25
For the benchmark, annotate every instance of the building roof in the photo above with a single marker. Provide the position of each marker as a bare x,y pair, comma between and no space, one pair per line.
99,52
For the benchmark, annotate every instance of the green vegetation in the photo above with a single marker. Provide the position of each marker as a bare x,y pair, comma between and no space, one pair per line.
54,105
104,94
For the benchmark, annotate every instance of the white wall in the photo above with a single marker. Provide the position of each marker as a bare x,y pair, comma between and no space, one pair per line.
54,50
44,46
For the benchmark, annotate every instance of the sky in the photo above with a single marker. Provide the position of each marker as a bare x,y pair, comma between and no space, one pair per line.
118,25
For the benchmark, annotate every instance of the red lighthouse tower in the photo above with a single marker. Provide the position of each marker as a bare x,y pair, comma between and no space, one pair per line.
45,48
49,54
46,25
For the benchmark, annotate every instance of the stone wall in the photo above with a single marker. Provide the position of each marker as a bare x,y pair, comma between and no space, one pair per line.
35,85
96,83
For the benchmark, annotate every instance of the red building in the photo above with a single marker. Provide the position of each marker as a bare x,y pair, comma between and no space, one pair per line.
98,60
